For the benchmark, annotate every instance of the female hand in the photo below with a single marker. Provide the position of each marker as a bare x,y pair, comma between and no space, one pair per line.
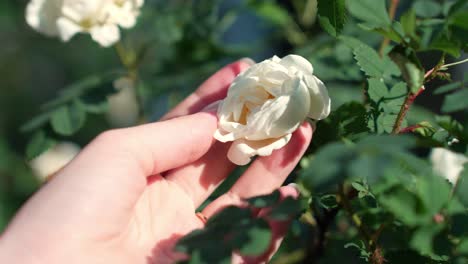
131,193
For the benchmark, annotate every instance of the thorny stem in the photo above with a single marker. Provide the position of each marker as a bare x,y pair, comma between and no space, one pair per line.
391,11
409,129
407,104
345,203
369,237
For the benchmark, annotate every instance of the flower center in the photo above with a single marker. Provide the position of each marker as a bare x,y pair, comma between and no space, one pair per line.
243,116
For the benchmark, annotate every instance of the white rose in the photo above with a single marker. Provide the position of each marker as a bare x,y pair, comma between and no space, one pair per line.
123,106
447,163
51,161
99,18
267,103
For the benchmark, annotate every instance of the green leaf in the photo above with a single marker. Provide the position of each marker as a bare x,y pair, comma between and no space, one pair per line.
371,63
410,67
462,248
264,200
332,15
36,122
253,239
272,12
82,87
287,209
423,238
327,167
68,119
373,12
39,143
455,102
447,88
427,8
232,213
408,22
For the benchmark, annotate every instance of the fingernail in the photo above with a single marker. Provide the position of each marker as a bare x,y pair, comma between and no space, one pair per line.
213,107
247,61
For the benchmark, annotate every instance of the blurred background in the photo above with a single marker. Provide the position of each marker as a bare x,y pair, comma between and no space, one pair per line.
176,45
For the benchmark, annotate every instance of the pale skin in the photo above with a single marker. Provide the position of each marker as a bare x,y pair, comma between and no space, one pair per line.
131,193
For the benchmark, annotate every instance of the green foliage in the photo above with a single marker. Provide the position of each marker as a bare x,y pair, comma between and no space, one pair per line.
332,15
371,12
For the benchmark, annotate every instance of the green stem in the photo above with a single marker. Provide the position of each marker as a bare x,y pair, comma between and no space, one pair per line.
446,66
131,67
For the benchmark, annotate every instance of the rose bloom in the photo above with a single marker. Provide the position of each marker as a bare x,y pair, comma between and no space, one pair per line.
124,108
267,103
99,18
447,164
55,158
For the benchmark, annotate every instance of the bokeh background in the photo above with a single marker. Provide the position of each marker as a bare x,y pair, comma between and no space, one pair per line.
183,42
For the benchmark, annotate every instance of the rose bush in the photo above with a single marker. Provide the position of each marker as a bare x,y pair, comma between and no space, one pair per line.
99,18
267,103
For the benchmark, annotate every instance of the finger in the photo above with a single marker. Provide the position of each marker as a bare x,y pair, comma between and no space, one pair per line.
201,178
123,159
266,173
279,229
213,89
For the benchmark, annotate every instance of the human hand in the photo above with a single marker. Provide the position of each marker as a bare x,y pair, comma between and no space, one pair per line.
131,193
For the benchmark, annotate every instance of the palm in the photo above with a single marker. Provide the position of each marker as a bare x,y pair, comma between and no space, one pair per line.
132,193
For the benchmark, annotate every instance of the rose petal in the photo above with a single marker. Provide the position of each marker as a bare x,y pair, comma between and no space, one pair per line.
297,62
241,151
42,15
67,28
281,115
320,102
106,35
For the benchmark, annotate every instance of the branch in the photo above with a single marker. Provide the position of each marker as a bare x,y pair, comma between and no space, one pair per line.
407,104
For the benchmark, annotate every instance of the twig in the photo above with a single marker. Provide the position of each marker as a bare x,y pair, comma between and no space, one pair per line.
391,11
345,203
446,66
407,104
409,129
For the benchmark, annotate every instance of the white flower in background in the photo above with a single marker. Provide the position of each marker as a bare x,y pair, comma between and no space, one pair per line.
267,103
123,106
99,18
51,161
447,163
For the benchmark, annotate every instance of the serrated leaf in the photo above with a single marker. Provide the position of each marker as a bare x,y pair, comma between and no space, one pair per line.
371,63
264,200
332,15
455,102
253,239
36,122
287,209
38,144
68,119
373,12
